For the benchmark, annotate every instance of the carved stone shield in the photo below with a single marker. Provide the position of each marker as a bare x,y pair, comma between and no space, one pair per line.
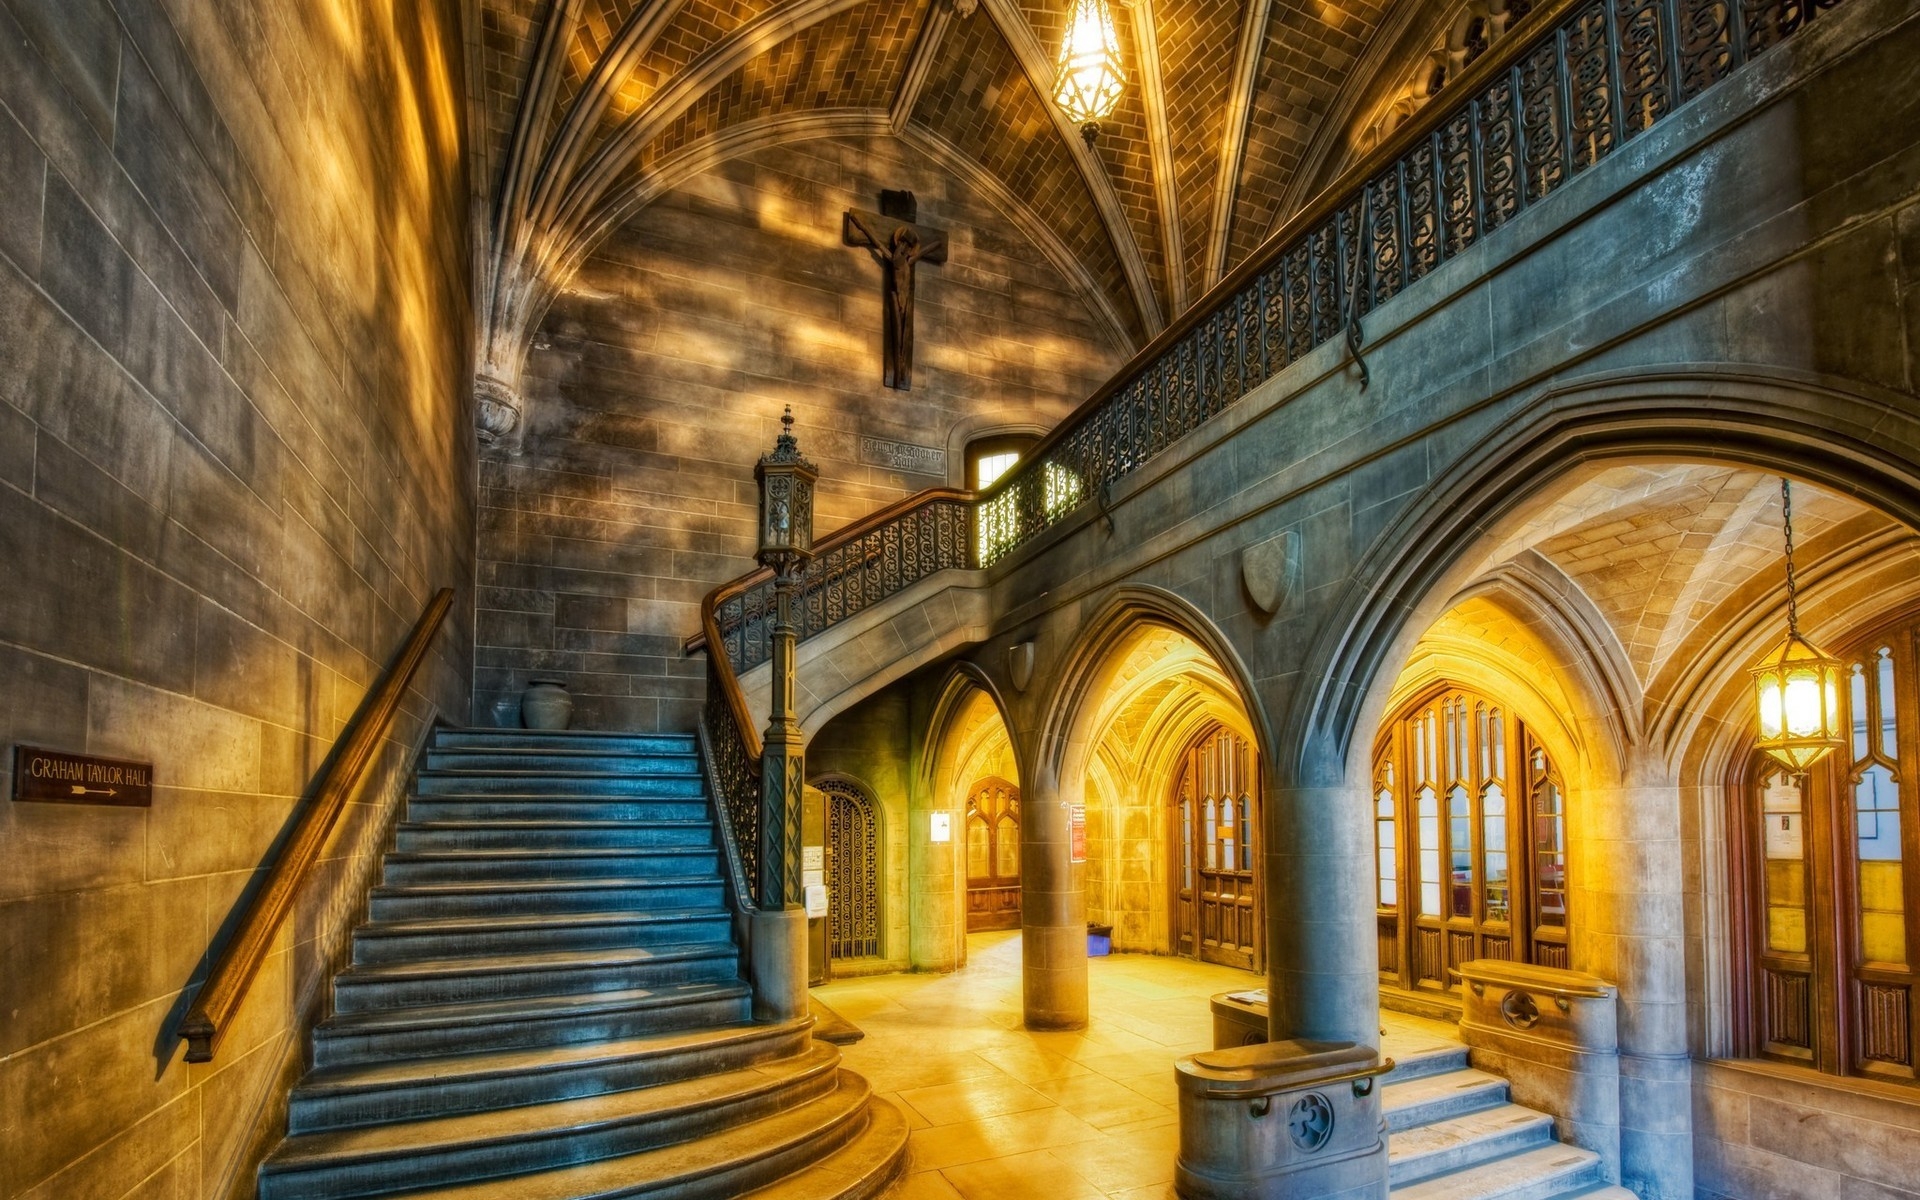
1020,665
1268,569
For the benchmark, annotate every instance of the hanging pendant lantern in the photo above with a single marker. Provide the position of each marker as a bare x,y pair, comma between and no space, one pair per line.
1089,80
1797,687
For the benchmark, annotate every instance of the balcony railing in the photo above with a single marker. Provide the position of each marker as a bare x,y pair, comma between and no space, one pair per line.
1574,82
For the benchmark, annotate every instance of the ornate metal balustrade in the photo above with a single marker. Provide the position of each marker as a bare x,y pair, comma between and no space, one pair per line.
1588,77
852,573
1574,82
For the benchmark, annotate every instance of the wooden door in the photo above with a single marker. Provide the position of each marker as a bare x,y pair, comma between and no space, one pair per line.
1217,816
1470,842
993,856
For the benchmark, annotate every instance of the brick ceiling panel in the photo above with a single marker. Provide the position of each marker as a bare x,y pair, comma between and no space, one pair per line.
853,60
696,28
1127,157
978,99
1311,50
1197,40
508,34
1657,548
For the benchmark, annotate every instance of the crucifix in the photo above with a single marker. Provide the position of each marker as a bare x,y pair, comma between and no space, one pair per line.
896,243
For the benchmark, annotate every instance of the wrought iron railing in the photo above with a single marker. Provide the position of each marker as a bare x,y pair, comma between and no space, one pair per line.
851,572
1576,82
1572,84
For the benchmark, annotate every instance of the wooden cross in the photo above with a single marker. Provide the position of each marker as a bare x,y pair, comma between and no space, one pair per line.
896,243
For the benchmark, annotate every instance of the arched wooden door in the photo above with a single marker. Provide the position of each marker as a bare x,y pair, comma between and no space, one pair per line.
1470,840
853,870
1216,901
993,856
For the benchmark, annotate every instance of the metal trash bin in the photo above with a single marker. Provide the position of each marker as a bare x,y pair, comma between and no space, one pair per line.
1288,1120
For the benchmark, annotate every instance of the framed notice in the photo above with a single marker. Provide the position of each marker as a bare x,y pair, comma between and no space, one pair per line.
42,776
1078,822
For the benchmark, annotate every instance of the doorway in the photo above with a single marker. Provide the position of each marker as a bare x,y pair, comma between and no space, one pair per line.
993,856
1216,902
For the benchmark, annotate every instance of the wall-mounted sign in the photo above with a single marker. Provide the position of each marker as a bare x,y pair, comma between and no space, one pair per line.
817,901
1078,815
942,828
813,858
55,777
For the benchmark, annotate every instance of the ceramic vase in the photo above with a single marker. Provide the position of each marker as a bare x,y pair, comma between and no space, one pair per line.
546,705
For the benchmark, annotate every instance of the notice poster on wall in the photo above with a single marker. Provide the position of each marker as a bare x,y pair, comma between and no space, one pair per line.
1078,822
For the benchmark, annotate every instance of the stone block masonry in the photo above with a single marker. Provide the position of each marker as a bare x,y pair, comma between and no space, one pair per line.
234,466
659,379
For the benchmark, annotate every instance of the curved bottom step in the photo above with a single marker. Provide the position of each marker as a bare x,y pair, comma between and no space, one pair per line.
729,1162
860,1170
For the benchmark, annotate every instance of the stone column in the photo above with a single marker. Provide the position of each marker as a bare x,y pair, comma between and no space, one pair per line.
1631,925
1053,912
936,897
1323,980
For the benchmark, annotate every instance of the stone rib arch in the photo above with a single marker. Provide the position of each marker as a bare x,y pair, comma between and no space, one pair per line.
1835,436
1087,667
955,695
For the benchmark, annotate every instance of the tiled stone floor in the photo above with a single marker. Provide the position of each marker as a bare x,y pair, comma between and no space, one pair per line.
1000,1113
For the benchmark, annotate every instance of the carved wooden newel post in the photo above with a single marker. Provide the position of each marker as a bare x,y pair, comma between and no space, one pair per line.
786,542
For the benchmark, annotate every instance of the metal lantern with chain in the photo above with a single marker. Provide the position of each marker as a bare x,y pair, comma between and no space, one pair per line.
1797,687
1089,80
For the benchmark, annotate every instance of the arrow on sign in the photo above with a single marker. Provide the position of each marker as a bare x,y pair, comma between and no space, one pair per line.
87,791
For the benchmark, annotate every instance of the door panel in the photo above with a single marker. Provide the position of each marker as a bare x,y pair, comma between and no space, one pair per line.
1470,842
1217,819
993,856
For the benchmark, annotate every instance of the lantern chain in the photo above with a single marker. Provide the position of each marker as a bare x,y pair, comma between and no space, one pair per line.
1793,600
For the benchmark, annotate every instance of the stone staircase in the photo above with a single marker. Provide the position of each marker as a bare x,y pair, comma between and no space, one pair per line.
1453,1134
546,1004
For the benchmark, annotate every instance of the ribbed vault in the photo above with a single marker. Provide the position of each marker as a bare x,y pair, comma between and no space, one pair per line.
1235,112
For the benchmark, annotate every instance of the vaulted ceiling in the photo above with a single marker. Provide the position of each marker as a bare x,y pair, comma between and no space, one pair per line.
1235,113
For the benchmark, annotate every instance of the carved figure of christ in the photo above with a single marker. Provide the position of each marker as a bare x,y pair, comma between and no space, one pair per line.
898,246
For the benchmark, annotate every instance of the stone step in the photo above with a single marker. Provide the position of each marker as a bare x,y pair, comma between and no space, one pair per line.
448,1029
729,1162
446,937
505,977
1429,1098
565,762
1605,1191
416,1089
535,836
398,1156
667,786
1465,1141
1439,1058
481,866
863,1168
566,739
529,896
1541,1173
552,808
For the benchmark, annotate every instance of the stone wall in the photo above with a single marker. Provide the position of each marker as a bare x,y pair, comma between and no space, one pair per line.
659,379
234,464
1772,1133
870,745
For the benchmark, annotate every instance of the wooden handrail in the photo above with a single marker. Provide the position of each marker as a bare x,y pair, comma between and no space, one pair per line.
219,998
